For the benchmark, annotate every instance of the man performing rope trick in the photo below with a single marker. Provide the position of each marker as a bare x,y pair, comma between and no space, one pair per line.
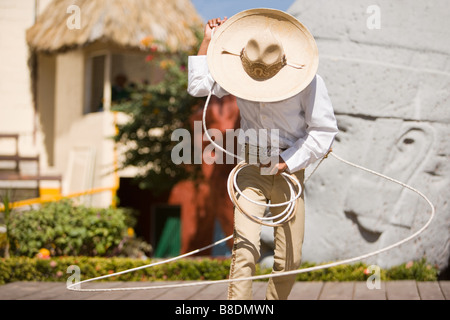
268,60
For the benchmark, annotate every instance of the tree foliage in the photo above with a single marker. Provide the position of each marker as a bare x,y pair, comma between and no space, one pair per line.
154,112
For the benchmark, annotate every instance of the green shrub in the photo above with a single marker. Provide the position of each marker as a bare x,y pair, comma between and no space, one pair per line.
66,229
413,270
55,269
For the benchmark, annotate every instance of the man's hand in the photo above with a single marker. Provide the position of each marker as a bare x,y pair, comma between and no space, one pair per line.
281,165
210,25
276,168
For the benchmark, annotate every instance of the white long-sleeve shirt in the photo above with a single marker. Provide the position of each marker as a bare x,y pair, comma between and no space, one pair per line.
305,122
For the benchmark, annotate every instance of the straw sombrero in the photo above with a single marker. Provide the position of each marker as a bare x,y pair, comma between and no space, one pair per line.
263,55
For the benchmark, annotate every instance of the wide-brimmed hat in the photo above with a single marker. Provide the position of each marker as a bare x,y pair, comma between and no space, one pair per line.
263,55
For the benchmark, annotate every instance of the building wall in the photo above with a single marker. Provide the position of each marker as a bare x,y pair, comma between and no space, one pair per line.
390,90
68,101
46,104
84,150
16,108
16,105
58,130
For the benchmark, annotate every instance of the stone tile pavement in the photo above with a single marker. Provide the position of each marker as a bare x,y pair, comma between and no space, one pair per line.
390,290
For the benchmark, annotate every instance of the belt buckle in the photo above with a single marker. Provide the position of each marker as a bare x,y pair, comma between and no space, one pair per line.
257,154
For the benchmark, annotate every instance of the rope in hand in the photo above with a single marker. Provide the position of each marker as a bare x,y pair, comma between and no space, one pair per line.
231,181
233,188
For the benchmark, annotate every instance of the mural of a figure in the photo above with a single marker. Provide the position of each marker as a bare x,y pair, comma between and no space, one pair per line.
205,202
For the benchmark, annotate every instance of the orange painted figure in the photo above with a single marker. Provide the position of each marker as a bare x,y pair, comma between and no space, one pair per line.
203,201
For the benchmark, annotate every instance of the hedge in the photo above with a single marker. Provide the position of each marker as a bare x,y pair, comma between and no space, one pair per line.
66,229
56,269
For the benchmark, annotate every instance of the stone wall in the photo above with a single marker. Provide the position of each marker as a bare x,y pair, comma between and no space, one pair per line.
387,68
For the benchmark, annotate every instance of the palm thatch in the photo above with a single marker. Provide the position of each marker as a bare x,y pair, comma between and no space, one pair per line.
121,22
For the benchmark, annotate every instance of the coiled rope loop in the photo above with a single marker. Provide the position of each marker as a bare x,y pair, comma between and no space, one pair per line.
77,285
233,188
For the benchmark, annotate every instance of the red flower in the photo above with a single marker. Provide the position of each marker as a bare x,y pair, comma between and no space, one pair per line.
153,48
149,58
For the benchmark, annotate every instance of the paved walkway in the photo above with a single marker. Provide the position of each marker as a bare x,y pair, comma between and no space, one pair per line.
391,290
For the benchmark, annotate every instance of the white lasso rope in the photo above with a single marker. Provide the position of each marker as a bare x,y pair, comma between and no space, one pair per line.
232,186
77,285
285,215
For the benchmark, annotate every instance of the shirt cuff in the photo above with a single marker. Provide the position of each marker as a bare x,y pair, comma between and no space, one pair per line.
198,64
200,80
292,159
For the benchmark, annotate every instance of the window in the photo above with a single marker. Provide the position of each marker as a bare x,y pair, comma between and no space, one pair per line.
95,84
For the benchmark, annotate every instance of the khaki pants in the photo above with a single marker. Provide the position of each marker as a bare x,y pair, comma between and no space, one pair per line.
288,237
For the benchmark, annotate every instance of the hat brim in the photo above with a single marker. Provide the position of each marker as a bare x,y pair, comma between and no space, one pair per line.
298,44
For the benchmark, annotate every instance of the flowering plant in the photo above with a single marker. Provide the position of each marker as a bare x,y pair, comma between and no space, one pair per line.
154,111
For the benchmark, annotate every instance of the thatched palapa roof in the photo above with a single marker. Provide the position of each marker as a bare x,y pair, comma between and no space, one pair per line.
120,22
